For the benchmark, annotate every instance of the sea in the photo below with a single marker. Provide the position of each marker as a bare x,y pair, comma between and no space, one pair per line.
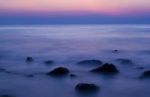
66,45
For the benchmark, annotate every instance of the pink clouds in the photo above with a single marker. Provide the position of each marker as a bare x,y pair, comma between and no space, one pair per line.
108,7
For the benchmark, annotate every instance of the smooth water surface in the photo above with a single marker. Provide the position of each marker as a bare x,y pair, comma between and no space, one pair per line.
66,45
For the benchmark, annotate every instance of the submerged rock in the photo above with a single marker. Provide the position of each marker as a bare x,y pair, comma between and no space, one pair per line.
86,88
140,68
29,59
30,76
115,51
60,71
124,61
2,70
107,69
73,75
49,62
90,62
5,95
145,74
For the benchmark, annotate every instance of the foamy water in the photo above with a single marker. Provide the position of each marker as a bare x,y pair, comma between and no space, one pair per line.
66,45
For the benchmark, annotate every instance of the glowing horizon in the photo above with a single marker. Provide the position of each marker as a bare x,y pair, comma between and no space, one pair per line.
113,7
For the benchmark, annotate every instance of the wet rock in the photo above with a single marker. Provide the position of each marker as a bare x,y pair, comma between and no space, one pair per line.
48,62
60,71
90,62
106,68
29,59
124,61
86,88
145,74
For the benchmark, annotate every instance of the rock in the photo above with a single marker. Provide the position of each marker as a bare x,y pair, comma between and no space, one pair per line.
2,70
30,76
73,75
90,62
29,59
60,71
106,68
140,67
6,95
115,51
48,62
86,88
145,74
124,61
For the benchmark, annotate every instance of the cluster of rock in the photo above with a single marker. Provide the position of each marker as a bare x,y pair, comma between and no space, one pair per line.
106,68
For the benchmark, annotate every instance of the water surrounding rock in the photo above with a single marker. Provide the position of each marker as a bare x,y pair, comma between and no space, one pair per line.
86,88
107,69
60,71
90,62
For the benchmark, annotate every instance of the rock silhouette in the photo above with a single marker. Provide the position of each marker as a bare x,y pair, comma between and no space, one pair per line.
60,71
115,51
29,59
2,70
145,74
48,62
106,69
86,88
6,95
73,75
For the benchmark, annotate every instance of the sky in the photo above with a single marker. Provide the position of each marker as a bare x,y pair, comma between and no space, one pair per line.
74,11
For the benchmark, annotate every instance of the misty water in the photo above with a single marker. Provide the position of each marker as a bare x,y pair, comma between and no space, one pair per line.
66,45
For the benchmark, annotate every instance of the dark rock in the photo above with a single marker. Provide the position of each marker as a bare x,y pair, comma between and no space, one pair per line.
124,61
140,67
107,69
73,75
145,74
2,70
5,95
29,59
60,71
90,62
86,88
115,51
30,75
48,62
